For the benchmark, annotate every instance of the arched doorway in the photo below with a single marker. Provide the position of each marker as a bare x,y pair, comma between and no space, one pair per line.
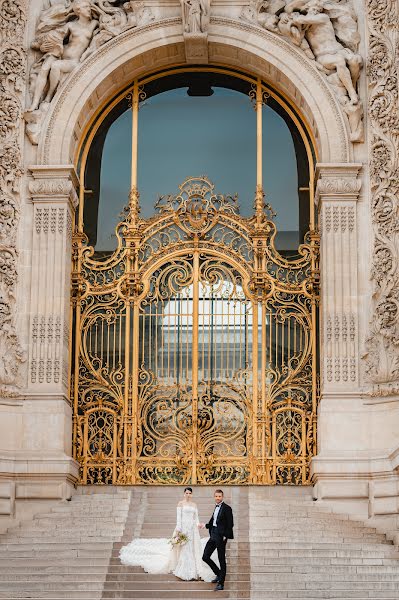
195,355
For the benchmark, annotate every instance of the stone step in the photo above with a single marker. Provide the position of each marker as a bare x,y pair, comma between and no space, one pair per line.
299,527
86,510
89,595
57,544
273,575
271,549
67,537
362,586
72,586
338,539
288,547
242,571
53,595
39,562
91,516
323,576
320,595
323,520
87,553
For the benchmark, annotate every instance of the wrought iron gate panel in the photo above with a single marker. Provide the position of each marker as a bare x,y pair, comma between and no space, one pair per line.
195,348
165,407
224,374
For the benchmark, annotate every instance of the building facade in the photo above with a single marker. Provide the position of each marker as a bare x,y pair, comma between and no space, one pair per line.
331,68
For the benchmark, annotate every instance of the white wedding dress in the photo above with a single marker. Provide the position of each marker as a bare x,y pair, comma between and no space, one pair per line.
157,556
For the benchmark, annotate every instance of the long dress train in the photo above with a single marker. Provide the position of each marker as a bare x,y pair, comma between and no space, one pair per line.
157,556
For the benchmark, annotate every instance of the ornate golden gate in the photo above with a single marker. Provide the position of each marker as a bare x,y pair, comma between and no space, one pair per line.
195,348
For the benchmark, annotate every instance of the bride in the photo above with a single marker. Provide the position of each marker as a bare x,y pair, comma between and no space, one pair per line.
158,556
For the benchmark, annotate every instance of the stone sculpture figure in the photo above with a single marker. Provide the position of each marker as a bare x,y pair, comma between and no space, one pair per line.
264,12
195,16
69,32
137,14
326,31
287,27
59,59
111,24
344,21
328,51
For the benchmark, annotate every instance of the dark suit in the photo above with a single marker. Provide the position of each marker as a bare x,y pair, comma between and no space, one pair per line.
218,539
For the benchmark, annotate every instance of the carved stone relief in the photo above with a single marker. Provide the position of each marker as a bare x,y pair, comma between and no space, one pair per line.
195,19
67,33
12,73
382,356
337,194
45,364
326,32
54,198
195,16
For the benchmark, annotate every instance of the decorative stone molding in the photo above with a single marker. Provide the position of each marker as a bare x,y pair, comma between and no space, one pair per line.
50,183
196,47
51,188
382,355
333,186
54,198
337,193
12,76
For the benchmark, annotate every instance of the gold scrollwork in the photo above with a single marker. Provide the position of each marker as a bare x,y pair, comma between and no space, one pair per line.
194,348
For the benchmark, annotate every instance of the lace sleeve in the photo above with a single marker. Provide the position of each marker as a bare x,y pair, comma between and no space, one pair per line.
196,517
179,518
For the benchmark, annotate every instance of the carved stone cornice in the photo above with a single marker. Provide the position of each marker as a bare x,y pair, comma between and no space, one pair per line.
339,187
338,182
53,184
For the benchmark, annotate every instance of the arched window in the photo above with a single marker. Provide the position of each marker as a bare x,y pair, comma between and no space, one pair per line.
195,123
194,336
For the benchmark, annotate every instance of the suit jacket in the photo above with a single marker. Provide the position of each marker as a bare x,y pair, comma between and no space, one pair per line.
224,523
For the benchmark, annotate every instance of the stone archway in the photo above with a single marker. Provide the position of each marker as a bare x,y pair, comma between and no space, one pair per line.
159,45
54,183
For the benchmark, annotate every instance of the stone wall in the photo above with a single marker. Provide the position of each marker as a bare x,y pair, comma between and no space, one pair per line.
356,195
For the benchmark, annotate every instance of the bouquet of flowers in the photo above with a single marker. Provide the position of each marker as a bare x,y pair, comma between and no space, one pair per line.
179,539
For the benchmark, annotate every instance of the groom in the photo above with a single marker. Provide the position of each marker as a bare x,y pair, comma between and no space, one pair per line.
220,528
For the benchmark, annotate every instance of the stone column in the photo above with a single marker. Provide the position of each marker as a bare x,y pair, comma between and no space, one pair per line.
342,420
337,195
48,423
54,199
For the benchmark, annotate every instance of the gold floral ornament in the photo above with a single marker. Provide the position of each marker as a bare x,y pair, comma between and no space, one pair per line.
197,206
195,347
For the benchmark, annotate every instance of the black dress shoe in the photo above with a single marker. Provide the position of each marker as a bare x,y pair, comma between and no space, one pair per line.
219,587
216,580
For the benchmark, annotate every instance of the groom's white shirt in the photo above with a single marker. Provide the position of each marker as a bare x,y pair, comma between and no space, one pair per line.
215,513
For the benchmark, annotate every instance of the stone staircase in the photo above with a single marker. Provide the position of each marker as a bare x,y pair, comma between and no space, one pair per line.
64,553
300,549
286,546
159,517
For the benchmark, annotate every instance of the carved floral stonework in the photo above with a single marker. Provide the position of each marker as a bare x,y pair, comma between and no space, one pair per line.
12,75
382,356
